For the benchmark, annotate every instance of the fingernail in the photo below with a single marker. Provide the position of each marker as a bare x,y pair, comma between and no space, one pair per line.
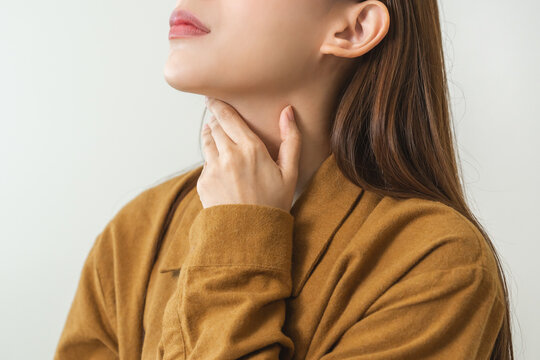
290,114
206,100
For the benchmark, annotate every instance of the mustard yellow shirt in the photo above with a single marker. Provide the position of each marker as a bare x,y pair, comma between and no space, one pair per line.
346,274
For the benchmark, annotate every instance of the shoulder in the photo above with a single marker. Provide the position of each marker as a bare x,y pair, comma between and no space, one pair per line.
147,205
134,229
419,236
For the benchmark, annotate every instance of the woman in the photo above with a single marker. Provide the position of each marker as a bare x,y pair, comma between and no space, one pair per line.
339,109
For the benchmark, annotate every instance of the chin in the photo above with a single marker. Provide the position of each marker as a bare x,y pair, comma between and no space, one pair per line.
183,76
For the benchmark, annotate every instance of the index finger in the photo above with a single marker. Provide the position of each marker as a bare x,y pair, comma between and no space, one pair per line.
230,120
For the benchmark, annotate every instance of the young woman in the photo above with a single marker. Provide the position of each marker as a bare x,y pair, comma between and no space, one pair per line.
328,220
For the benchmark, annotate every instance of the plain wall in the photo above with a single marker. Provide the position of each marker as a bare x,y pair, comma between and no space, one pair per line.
87,122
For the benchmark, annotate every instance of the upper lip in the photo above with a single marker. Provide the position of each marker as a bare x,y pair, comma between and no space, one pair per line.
181,16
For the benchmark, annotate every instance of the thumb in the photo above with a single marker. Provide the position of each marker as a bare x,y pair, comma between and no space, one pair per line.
289,150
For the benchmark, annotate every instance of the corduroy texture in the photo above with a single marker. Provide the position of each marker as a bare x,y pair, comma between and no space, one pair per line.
347,274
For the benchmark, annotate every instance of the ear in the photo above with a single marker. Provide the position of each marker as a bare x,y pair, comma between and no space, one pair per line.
357,28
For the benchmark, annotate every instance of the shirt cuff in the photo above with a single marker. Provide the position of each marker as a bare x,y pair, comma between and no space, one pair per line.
242,234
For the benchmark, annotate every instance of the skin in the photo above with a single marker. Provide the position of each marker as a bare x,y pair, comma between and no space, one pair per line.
259,57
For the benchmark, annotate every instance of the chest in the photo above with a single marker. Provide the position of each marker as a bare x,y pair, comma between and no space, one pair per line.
315,319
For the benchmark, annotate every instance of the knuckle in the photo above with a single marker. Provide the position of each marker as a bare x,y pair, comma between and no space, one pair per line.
252,149
297,139
296,135
228,166
227,159
228,150
222,113
254,142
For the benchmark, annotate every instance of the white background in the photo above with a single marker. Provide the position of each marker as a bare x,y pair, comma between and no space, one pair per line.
87,122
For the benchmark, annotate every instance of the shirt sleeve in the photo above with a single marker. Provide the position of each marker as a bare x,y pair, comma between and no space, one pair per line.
448,314
89,331
230,299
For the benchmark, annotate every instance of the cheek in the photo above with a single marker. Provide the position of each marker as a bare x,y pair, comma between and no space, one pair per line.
271,49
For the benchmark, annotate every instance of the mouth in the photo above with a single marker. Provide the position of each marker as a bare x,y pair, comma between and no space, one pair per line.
185,24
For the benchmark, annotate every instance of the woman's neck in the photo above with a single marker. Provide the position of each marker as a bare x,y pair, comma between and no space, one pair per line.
312,113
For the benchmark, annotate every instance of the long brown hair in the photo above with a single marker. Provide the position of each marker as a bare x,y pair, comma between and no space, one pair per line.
392,132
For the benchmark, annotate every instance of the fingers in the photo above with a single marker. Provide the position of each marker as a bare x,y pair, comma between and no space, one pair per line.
209,146
230,121
289,150
222,141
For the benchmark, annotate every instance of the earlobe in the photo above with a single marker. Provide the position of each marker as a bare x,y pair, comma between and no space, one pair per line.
362,26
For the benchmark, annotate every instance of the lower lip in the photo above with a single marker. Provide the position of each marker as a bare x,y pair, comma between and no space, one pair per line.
185,30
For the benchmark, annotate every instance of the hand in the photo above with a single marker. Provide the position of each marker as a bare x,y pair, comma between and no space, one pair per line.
238,168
